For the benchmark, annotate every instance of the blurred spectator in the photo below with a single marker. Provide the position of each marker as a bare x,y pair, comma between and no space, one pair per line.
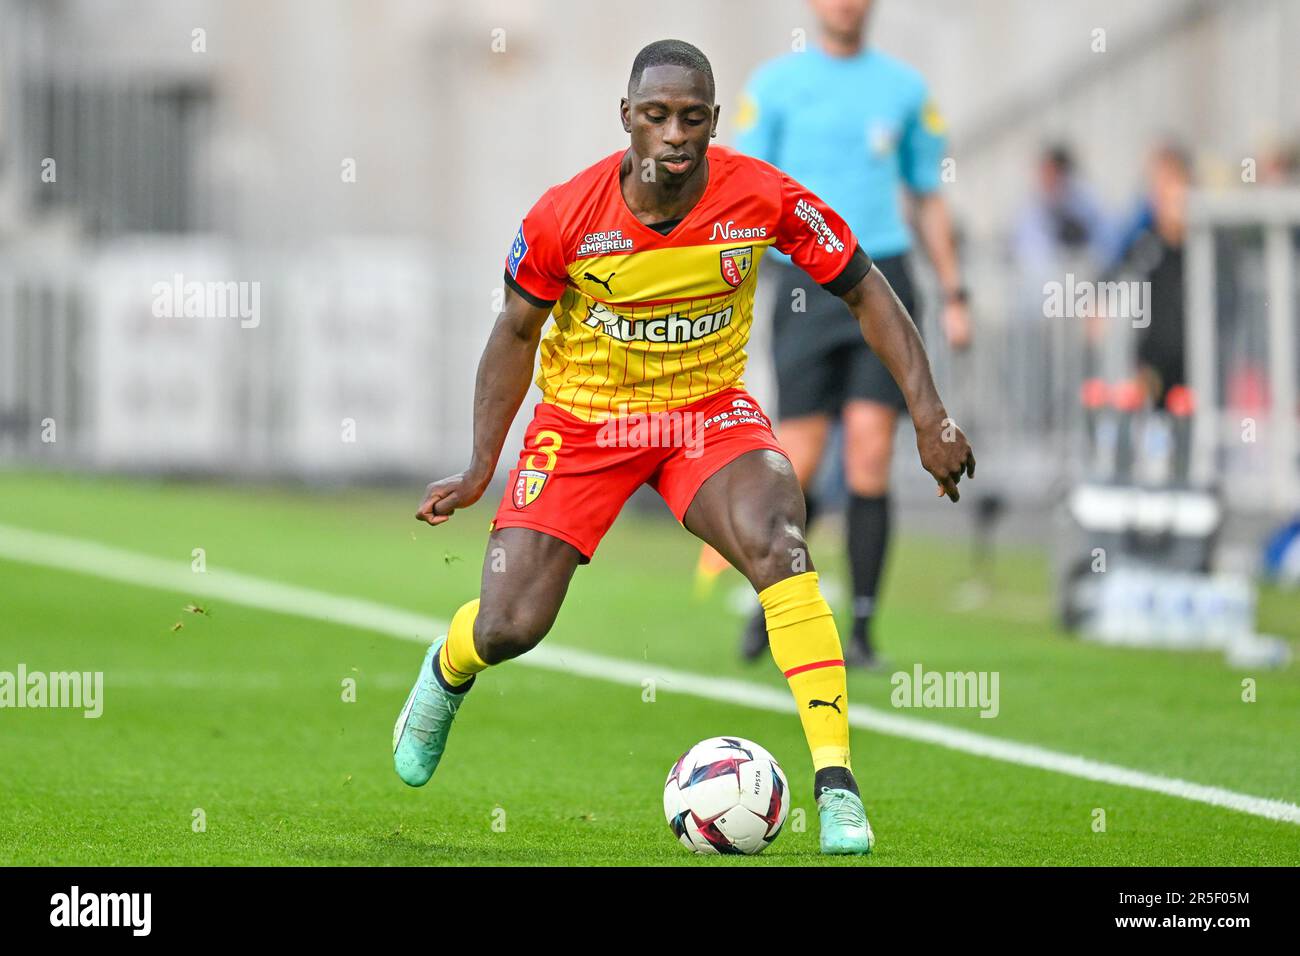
1062,222
1154,255
1280,164
1062,229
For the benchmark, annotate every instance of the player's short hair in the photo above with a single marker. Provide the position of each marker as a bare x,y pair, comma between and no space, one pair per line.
670,53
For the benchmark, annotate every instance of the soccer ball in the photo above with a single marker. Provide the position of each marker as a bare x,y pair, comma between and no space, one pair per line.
726,795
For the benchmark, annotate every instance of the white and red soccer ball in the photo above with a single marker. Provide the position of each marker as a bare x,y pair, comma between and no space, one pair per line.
726,795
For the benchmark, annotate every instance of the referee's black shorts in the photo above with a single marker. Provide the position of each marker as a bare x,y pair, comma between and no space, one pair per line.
821,359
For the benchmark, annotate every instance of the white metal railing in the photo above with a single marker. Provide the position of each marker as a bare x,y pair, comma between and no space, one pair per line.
1258,461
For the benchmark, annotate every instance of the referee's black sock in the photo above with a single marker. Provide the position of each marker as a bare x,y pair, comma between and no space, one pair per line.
868,539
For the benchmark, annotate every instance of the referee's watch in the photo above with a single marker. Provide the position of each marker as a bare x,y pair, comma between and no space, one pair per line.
958,296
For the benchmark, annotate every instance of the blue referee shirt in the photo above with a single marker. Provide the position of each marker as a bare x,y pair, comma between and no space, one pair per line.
851,129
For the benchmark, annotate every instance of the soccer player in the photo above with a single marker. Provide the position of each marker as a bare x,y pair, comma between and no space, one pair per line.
857,127
647,261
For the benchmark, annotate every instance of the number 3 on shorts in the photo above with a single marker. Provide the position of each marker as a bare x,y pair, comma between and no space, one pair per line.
548,443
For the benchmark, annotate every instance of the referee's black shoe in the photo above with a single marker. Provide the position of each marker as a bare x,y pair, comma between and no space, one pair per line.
753,644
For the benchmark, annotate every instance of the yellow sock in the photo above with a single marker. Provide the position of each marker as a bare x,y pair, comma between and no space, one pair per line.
459,658
806,646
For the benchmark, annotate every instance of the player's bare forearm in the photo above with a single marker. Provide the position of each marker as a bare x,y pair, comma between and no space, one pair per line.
891,333
504,374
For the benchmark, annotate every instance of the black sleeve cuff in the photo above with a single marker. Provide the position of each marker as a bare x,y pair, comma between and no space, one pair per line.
859,265
526,295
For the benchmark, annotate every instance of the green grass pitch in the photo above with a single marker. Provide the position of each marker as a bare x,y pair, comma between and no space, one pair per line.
240,712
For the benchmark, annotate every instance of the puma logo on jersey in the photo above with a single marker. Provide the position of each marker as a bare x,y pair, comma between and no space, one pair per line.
599,281
826,703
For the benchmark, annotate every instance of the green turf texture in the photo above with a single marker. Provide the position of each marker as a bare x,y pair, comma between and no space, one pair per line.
240,712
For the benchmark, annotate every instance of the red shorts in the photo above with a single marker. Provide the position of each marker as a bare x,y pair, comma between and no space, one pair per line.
573,477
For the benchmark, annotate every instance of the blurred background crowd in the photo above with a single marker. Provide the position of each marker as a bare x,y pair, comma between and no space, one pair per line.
365,166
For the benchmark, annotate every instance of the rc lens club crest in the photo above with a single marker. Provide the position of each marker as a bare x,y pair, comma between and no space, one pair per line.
735,264
528,486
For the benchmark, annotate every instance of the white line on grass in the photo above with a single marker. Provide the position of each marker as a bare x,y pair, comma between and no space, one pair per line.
115,564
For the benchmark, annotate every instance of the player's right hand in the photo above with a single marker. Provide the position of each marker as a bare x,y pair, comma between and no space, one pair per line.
945,454
442,498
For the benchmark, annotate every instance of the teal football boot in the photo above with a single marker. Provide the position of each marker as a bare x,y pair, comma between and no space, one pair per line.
845,829
420,735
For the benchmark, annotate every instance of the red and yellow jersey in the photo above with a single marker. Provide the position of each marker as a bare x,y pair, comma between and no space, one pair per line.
646,322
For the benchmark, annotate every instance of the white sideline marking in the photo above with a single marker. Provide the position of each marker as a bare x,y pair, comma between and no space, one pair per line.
128,567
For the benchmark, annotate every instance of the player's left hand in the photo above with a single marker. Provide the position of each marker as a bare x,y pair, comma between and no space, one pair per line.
956,325
945,454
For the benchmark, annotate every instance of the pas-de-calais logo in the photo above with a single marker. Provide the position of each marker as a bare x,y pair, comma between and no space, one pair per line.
735,264
528,486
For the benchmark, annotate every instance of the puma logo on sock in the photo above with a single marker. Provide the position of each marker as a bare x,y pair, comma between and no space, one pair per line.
826,703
